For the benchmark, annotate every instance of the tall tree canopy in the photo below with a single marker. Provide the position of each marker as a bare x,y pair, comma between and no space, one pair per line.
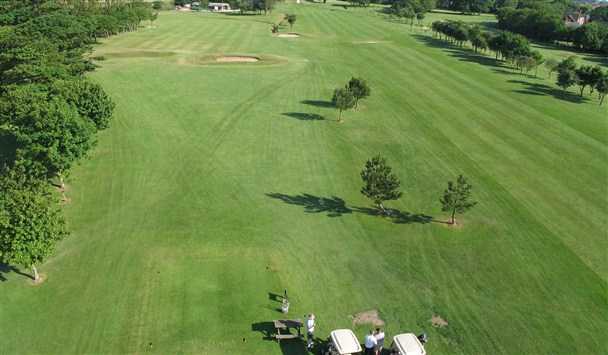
379,182
30,221
457,198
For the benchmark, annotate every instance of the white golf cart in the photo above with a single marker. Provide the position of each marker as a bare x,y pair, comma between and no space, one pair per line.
343,342
407,344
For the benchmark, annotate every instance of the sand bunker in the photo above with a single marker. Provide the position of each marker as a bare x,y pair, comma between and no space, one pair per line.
288,35
438,322
237,59
368,317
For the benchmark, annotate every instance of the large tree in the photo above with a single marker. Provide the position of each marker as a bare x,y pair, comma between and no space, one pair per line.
30,221
89,98
380,184
602,87
359,88
343,99
457,198
49,132
566,73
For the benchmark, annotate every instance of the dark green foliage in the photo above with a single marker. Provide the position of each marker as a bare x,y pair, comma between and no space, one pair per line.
415,6
544,20
26,59
588,75
545,24
343,99
591,37
599,14
380,184
30,220
50,134
566,73
457,198
467,6
510,46
566,78
359,88
89,99
477,38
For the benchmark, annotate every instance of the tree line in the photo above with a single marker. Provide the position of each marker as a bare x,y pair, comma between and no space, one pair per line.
510,47
515,49
584,76
50,111
546,23
257,6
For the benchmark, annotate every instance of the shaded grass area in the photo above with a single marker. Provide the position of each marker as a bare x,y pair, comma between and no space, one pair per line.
218,186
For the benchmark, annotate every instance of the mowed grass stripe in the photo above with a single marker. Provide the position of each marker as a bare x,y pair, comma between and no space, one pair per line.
173,207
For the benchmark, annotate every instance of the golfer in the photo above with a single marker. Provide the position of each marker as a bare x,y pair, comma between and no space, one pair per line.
379,335
310,330
370,343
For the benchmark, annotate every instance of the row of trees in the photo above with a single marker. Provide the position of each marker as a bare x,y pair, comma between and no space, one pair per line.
546,23
585,76
515,49
49,111
348,96
257,6
380,184
411,9
511,47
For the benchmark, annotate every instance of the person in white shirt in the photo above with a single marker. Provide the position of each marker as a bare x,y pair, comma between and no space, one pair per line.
310,330
379,335
370,343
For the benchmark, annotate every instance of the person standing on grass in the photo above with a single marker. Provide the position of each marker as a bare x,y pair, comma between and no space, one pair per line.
310,330
370,343
379,341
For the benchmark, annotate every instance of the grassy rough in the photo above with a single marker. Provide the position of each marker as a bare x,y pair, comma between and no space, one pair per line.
219,184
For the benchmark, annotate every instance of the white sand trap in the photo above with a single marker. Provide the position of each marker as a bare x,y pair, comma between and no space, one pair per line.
237,59
288,35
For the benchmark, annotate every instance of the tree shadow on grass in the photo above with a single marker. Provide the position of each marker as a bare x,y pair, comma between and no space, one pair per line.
542,89
336,207
295,346
333,206
396,216
303,116
318,103
461,53
7,269
266,328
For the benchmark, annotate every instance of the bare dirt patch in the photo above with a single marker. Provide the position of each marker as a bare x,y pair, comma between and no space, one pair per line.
368,317
438,322
288,35
41,279
237,59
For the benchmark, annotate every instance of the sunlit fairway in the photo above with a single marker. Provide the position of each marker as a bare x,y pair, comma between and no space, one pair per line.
220,184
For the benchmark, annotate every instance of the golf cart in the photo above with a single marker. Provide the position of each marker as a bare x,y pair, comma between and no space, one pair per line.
343,342
407,344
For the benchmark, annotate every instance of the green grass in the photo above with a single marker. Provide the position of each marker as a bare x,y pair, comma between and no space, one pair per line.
212,189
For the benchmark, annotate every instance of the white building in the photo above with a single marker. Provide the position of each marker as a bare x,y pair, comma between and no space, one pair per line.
219,6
